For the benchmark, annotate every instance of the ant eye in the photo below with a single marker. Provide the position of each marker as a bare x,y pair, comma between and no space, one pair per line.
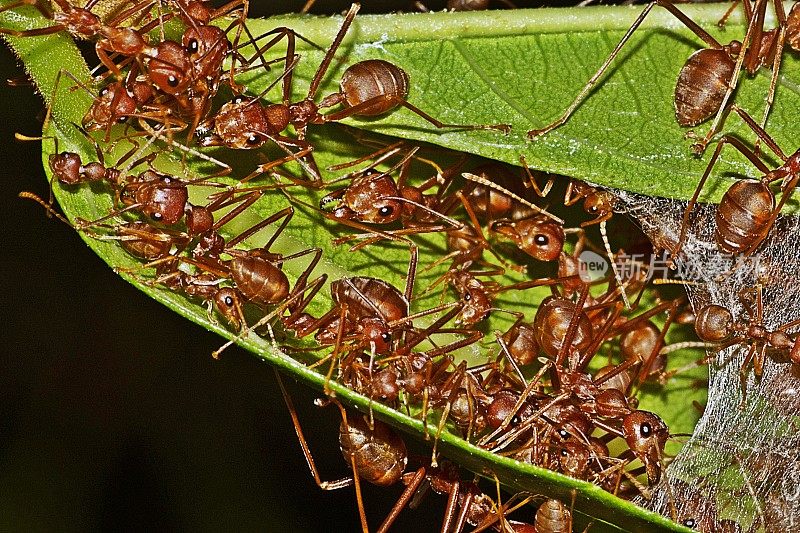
239,99
563,433
193,46
541,240
467,297
253,140
646,430
385,211
386,337
157,216
172,81
229,300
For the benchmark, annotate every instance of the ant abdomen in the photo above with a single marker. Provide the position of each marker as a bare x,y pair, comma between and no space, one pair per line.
379,454
259,280
702,85
369,80
553,517
744,213
713,323
552,321
144,241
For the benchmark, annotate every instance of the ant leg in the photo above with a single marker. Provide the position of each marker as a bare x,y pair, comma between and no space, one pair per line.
326,61
762,135
324,485
617,276
724,20
395,101
285,215
544,191
411,488
582,95
523,201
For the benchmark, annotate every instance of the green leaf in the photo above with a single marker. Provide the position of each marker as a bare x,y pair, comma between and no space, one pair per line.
457,94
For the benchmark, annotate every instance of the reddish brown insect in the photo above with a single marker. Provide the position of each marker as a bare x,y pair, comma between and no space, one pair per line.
710,75
748,208
376,453
160,197
368,88
716,324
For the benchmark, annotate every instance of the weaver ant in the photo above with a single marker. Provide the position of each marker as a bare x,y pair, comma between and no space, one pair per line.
710,75
375,452
748,209
369,88
715,324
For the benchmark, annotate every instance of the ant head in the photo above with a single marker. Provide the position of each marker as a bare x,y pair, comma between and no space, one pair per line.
163,202
476,305
646,435
207,47
169,68
598,204
227,302
67,167
238,124
373,198
538,236
573,459
377,333
572,424
500,408
115,104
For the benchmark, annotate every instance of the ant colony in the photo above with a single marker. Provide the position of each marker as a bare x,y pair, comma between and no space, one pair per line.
494,306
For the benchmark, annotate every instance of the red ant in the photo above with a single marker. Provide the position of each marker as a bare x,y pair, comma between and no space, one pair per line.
748,209
368,88
710,75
